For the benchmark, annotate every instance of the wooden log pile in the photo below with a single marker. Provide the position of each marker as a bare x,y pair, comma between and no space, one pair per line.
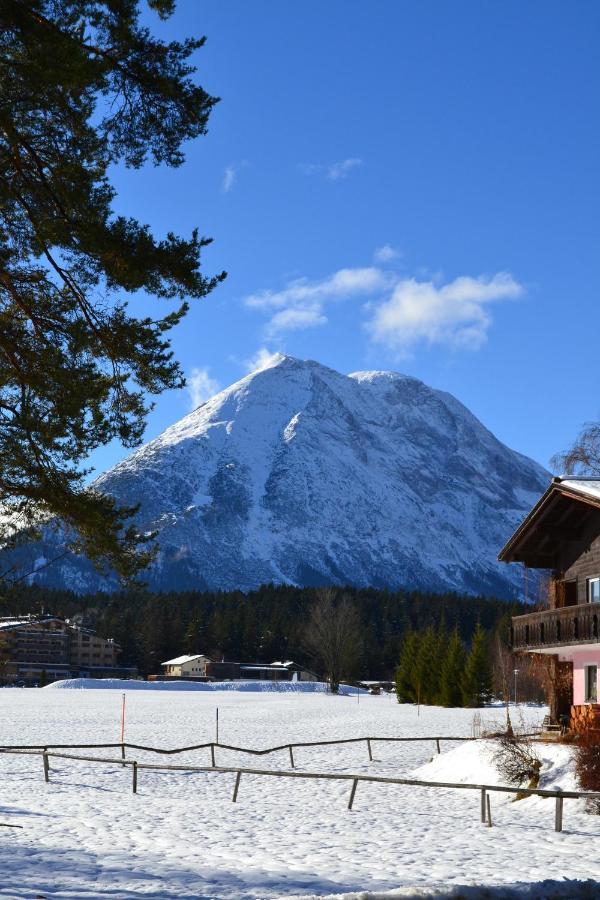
585,718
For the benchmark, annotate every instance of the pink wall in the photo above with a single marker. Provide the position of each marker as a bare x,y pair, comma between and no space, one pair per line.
586,656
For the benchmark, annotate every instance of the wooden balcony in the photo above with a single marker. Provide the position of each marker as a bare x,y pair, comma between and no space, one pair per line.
556,627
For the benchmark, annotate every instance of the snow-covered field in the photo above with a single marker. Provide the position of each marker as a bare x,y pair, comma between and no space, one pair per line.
85,835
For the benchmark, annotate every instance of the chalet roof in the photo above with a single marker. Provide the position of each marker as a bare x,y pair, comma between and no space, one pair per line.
588,487
263,666
558,517
179,660
7,622
290,664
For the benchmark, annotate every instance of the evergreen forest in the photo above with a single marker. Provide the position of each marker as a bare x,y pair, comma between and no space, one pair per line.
270,624
435,669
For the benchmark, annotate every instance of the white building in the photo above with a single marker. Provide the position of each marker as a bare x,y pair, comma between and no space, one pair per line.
186,665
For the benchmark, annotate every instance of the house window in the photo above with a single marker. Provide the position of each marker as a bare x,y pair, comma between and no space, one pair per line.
593,590
591,684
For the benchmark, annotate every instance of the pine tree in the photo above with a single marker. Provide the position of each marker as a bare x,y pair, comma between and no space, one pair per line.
476,683
441,648
453,666
426,669
405,671
85,88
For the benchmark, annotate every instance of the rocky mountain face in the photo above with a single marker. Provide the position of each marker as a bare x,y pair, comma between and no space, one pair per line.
300,474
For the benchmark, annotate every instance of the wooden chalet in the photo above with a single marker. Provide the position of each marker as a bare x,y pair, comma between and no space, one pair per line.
561,534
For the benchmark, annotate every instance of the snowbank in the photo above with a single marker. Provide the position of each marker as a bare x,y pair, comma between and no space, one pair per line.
567,889
472,763
254,686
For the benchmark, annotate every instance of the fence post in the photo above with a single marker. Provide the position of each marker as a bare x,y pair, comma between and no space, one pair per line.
558,814
291,757
352,792
212,755
489,812
135,777
46,766
237,786
437,744
369,749
123,752
483,805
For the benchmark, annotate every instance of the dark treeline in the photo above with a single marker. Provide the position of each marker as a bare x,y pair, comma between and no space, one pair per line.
264,625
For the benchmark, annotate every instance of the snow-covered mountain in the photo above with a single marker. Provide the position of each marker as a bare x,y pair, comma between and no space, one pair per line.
300,474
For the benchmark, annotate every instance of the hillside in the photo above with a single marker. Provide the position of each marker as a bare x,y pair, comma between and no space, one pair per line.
303,475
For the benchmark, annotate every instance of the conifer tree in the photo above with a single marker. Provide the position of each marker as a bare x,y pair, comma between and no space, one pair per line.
426,670
476,683
453,666
86,88
441,648
405,671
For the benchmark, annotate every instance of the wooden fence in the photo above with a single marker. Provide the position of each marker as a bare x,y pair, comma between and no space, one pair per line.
214,745
485,789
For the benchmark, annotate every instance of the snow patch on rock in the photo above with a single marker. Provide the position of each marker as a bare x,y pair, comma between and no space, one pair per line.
302,475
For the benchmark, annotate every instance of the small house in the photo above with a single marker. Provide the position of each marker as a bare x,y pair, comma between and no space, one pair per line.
185,666
296,671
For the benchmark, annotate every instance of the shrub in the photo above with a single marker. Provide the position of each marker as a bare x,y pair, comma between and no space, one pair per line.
517,761
587,768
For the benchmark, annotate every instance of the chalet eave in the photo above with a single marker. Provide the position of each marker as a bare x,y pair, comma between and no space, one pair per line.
558,518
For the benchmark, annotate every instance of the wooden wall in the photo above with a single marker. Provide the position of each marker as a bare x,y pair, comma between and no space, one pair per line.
586,563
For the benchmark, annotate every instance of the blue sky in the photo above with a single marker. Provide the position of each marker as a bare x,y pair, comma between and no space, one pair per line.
395,185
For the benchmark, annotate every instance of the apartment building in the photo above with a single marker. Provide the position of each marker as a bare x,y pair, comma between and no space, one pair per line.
43,648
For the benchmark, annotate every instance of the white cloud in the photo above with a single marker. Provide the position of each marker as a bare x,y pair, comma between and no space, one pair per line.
342,169
455,314
230,175
294,319
300,304
333,171
402,311
386,253
263,359
342,283
201,387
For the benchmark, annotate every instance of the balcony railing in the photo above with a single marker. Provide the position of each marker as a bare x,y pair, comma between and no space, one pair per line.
557,627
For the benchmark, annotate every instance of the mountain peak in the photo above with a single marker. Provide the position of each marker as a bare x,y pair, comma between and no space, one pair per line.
297,473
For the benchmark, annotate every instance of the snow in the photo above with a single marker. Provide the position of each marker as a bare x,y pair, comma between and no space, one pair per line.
565,889
183,659
589,486
13,623
303,475
245,686
86,836
472,763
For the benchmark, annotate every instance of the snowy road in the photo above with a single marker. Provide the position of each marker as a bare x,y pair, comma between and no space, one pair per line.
85,835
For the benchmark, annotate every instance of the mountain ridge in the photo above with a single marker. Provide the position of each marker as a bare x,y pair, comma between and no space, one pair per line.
299,474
